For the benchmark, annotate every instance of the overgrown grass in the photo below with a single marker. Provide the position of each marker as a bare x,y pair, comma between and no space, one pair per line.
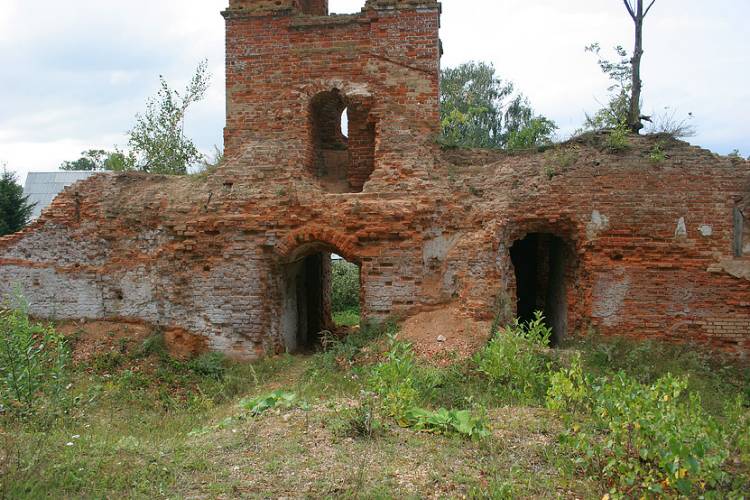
347,317
366,418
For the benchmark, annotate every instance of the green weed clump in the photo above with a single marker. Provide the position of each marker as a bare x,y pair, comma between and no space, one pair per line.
211,365
515,361
444,421
33,361
643,439
276,399
395,380
617,140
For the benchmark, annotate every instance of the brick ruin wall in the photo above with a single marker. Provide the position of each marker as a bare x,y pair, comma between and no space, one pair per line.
648,249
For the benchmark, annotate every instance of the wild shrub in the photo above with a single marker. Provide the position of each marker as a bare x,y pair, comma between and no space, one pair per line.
643,439
361,421
617,140
33,360
211,364
395,380
657,154
514,360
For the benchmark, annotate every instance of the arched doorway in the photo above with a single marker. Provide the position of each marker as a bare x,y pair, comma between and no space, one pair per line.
308,295
542,263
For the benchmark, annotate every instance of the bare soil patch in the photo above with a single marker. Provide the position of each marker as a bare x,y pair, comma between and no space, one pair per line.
444,335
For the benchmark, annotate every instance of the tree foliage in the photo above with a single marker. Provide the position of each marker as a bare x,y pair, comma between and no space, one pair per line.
100,160
15,209
614,114
624,107
158,139
345,286
479,109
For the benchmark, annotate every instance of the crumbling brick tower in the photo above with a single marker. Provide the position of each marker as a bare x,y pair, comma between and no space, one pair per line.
623,242
292,71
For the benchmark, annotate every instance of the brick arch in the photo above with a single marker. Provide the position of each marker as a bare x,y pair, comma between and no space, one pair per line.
349,89
562,227
314,238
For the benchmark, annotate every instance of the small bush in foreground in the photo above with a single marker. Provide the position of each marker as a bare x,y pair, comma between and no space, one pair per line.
211,364
33,360
395,380
641,438
514,360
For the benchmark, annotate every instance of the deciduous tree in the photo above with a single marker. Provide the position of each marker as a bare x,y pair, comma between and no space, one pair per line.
158,138
479,109
638,14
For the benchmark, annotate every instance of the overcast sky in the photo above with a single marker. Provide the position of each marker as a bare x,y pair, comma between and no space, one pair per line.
75,72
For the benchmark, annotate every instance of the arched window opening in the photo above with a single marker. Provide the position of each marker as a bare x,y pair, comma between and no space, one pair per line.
542,264
345,123
321,297
343,142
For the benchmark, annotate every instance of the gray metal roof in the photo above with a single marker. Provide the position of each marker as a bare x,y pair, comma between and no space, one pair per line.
42,187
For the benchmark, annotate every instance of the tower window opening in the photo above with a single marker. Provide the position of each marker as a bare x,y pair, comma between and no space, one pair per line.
343,142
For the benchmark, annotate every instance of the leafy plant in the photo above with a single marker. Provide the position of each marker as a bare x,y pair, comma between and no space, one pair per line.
570,389
211,364
158,138
617,139
33,359
513,359
620,73
395,380
445,421
362,421
657,154
643,439
276,399
537,132
349,317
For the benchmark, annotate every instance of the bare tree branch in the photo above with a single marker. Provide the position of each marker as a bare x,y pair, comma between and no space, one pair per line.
630,8
649,8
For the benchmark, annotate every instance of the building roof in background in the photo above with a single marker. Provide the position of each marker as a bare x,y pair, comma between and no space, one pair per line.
42,187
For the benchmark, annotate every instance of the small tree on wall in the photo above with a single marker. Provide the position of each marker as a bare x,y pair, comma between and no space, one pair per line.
638,14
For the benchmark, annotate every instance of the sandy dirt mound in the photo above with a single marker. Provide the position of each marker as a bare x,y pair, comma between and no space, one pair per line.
444,335
91,338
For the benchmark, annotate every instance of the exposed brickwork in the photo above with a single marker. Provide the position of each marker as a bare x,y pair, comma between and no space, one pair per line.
648,249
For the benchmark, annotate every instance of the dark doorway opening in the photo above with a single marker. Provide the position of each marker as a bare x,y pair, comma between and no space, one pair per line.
541,262
308,292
